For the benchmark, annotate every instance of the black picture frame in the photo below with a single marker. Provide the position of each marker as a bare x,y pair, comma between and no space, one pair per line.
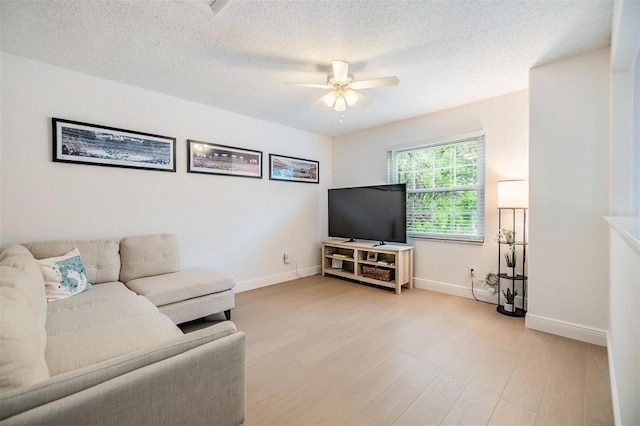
292,169
93,144
215,159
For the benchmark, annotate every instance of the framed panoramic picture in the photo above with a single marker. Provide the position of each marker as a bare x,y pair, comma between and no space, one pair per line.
84,143
293,169
210,158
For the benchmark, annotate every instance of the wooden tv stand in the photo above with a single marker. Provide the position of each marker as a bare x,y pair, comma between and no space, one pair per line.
388,265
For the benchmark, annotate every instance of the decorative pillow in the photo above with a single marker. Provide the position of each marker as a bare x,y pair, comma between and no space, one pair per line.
64,276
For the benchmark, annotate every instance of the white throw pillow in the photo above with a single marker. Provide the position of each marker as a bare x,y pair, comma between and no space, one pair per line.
64,276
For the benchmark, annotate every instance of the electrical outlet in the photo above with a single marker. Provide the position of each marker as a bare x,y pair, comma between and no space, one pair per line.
472,271
286,257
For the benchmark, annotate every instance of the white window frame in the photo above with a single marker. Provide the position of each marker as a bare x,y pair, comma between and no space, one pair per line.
479,186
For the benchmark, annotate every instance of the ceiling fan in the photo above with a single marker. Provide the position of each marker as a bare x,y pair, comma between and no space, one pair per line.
342,88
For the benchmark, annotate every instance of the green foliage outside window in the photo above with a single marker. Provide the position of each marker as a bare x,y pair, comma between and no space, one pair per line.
445,190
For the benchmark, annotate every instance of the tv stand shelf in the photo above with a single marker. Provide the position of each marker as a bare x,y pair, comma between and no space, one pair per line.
388,265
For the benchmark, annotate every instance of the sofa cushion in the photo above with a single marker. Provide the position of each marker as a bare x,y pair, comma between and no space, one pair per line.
105,322
66,319
93,344
101,257
191,309
182,285
22,338
18,257
23,315
148,255
98,293
64,276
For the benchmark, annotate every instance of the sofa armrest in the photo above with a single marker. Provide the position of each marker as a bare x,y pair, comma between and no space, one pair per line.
196,379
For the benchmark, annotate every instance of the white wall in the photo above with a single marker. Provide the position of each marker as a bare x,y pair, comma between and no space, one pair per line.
625,109
360,159
569,189
624,317
240,225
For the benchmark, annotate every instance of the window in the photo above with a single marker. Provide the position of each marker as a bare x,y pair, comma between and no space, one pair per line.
445,188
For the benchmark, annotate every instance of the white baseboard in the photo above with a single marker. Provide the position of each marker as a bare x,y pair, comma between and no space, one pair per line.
276,279
615,402
584,333
457,290
453,289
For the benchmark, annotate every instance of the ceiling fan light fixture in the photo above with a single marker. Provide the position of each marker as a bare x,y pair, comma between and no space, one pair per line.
329,99
343,89
351,97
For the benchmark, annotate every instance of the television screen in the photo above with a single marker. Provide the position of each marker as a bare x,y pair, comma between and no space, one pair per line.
376,213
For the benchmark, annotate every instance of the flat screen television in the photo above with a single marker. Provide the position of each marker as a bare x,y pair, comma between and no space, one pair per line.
377,213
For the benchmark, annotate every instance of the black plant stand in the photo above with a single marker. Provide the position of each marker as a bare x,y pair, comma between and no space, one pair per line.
509,276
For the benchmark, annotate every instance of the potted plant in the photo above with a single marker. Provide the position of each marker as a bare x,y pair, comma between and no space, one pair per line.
509,299
510,258
506,235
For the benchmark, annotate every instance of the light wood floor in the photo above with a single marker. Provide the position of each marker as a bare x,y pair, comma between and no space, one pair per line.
332,352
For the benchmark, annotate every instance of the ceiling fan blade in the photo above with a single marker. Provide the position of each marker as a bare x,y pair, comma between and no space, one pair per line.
376,82
316,86
340,71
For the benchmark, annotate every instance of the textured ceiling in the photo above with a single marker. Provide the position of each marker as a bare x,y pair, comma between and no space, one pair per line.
445,52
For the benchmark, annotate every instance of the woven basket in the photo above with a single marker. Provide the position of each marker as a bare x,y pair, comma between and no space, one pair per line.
376,273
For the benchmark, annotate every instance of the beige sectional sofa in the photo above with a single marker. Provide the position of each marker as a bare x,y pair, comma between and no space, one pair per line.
112,354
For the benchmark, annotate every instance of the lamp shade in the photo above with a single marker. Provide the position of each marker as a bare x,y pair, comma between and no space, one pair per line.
513,194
